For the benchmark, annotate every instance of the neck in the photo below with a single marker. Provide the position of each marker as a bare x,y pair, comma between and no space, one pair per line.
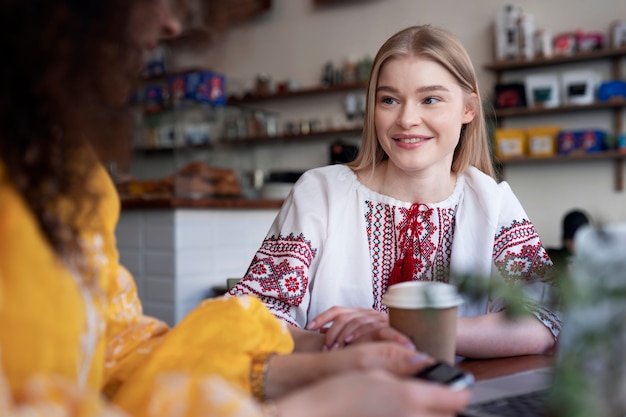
414,187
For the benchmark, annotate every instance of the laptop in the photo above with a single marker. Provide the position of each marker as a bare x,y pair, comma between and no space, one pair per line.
597,274
522,394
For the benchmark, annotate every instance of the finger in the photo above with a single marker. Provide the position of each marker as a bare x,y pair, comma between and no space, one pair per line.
358,326
390,334
429,395
326,317
336,333
362,330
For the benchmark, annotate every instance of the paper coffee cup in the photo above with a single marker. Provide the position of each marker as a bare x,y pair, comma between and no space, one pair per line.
427,313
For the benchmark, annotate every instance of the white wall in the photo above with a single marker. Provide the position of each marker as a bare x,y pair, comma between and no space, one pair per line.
296,38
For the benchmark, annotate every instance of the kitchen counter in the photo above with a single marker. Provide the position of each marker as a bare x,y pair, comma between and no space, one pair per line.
209,203
182,250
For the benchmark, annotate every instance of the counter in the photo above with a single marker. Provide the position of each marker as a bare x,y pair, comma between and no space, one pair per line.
180,249
210,203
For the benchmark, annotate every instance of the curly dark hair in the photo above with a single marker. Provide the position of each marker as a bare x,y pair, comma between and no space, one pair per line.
65,65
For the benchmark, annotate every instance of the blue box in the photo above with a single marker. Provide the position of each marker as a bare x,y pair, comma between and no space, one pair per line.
592,140
581,141
206,86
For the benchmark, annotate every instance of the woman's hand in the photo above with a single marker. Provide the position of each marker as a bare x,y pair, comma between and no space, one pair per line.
373,394
352,325
289,372
387,356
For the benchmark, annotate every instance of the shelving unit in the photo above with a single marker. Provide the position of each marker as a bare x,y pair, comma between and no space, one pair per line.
259,140
253,98
615,56
278,138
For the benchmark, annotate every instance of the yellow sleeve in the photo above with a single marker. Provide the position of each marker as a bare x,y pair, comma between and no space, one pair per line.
217,340
46,395
54,396
130,335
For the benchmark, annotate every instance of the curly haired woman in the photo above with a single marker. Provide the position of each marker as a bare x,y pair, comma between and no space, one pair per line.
73,339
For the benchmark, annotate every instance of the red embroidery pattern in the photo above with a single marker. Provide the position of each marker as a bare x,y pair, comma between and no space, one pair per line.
431,238
278,274
518,254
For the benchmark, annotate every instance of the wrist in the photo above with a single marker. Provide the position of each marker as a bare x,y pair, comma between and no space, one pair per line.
259,367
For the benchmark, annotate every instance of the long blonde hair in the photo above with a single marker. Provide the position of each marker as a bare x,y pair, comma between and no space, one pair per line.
443,47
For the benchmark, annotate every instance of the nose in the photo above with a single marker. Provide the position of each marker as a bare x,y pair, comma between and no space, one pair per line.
409,115
170,26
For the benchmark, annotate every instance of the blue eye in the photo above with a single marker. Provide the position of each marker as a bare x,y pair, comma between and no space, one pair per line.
387,100
431,100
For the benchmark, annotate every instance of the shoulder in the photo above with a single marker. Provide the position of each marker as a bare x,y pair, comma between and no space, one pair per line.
483,183
329,177
492,199
329,172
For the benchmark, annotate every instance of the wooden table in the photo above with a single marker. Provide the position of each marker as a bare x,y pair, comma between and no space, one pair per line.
493,368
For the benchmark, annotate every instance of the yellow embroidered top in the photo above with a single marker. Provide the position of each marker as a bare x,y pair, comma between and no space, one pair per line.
69,349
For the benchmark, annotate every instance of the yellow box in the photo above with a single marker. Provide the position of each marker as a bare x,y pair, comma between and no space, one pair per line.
542,140
510,142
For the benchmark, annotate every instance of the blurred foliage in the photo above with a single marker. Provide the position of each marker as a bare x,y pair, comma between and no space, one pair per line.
590,364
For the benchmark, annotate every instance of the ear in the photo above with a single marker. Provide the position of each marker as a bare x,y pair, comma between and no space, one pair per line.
471,103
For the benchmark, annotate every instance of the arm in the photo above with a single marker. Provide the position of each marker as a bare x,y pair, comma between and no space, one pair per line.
495,335
288,372
305,340
372,394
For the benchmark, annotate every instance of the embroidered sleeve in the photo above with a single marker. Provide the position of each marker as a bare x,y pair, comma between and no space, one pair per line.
522,261
282,270
279,274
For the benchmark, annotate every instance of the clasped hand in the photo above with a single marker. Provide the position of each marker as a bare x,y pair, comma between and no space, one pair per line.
351,325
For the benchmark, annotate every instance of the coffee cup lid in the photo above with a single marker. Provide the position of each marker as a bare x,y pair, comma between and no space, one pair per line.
422,294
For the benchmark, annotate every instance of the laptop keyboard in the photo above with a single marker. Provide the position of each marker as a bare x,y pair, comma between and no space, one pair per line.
532,404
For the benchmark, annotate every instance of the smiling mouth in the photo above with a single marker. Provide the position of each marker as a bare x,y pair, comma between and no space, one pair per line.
410,140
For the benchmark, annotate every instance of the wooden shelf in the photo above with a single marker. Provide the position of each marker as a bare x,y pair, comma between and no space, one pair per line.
612,155
571,108
300,137
615,57
297,93
257,140
556,60
594,156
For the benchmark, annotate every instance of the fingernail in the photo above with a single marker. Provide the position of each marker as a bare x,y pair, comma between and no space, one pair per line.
348,339
410,345
420,357
324,348
335,346
310,324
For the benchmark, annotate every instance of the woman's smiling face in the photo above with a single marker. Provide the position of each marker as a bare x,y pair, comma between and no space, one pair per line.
419,111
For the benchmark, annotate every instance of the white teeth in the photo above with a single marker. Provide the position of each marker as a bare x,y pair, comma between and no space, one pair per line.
411,140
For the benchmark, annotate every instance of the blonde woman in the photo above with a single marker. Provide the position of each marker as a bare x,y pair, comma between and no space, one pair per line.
419,203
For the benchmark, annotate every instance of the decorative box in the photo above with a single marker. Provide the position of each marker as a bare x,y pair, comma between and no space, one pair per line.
542,90
592,140
568,142
581,141
205,86
542,140
510,143
510,95
579,87
612,90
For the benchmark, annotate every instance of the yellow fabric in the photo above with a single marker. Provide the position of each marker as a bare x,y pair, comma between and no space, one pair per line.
57,356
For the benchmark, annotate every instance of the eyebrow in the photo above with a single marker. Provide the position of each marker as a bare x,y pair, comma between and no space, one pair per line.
425,89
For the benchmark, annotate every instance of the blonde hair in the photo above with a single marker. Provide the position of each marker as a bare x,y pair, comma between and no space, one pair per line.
443,47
